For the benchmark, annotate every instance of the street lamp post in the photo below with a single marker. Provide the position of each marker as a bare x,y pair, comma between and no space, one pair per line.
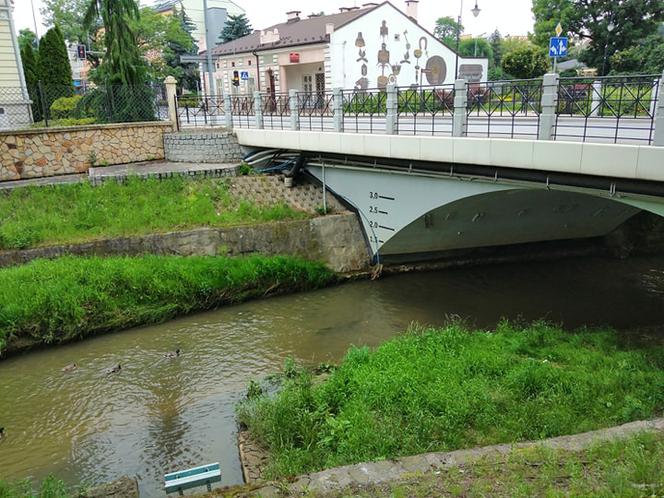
609,28
476,12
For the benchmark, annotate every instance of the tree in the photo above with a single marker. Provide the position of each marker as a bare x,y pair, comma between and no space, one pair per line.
647,57
236,27
526,62
634,20
122,63
69,15
30,70
496,41
25,38
446,30
476,47
53,67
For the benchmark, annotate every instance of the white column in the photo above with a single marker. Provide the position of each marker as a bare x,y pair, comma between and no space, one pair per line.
338,109
596,104
294,109
392,105
658,137
258,109
171,86
460,120
228,110
549,106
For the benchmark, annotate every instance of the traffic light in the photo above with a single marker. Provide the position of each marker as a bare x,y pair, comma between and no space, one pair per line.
81,52
236,78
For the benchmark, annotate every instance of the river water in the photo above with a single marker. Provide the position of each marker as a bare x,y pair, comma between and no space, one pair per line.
158,415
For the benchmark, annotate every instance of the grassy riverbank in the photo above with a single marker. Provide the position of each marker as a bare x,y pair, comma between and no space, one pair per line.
444,389
51,487
53,301
36,216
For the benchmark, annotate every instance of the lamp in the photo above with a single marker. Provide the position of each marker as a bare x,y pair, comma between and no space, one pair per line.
476,10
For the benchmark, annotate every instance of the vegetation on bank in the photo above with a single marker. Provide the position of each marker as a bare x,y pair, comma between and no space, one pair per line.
51,487
622,469
36,216
53,301
444,389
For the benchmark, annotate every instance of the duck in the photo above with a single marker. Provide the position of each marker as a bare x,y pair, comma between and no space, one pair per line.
173,354
70,368
113,370
2,432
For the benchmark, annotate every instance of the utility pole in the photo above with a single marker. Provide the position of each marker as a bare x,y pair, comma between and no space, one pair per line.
34,20
208,49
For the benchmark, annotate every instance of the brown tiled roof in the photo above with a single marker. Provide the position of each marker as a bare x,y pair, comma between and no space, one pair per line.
302,32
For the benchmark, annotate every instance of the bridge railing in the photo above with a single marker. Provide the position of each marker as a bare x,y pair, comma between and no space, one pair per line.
616,109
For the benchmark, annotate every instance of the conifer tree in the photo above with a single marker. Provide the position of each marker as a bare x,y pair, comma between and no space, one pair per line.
53,67
30,70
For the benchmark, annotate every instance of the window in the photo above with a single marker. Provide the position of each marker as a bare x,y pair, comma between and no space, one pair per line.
249,62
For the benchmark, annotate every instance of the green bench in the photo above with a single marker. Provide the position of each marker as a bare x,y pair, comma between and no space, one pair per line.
192,478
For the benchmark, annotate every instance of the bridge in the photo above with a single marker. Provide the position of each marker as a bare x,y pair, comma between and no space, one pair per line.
430,169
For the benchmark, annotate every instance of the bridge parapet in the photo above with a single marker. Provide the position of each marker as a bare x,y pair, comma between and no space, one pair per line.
615,109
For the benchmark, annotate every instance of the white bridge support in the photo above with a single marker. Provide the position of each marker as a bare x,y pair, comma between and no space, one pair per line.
413,213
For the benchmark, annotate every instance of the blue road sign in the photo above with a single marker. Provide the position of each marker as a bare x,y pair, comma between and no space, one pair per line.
558,46
244,75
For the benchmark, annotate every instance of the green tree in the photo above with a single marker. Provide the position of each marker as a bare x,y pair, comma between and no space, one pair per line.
526,62
236,27
69,15
496,41
446,30
634,20
122,63
27,37
476,47
53,67
31,72
646,57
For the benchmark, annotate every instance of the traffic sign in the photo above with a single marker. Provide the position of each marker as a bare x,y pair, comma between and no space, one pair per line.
559,29
244,75
558,46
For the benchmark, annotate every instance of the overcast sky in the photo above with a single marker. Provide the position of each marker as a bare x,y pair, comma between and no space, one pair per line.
512,17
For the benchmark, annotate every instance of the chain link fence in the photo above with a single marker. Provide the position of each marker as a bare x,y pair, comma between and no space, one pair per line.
44,106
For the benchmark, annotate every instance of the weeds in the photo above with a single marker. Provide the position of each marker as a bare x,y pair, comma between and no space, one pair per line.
48,302
50,488
443,389
75,213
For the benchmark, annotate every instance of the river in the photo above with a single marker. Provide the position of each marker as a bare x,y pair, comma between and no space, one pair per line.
159,414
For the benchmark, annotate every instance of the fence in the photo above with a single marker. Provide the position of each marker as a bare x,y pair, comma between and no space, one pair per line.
615,109
44,105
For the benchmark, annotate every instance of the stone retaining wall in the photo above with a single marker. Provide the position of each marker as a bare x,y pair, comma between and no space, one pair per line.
202,146
336,240
60,151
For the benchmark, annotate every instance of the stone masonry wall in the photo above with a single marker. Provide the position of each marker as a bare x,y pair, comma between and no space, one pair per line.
61,151
202,146
337,240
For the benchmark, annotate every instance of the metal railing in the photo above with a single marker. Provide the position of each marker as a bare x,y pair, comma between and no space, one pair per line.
617,109
425,110
505,108
610,109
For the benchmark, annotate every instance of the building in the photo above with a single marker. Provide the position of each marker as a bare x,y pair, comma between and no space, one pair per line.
218,12
15,102
359,47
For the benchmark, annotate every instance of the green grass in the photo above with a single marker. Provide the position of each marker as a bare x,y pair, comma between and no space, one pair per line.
52,301
75,213
622,469
444,389
49,488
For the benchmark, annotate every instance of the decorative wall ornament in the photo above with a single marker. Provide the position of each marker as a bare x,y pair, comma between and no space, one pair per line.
436,70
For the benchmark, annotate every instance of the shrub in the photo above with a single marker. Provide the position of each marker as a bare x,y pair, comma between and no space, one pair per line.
526,62
65,107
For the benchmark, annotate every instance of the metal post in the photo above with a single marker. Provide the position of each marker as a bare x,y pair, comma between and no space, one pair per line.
658,138
460,119
42,100
294,109
324,191
258,110
549,106
392,110
208,49
458,41
338,109
596,103
228,110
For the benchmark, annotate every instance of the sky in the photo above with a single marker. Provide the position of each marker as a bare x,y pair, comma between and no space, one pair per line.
511,17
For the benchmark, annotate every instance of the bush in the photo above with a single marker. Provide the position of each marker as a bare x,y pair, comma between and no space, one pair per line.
526,62
65,107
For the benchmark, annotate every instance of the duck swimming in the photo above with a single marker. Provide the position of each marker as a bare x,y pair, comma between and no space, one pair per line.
113,370
70,368
173,354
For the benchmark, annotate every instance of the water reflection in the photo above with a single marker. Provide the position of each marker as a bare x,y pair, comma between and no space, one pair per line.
162,414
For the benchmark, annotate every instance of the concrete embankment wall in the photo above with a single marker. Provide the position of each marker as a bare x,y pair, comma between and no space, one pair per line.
202,146
337,240
62,151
